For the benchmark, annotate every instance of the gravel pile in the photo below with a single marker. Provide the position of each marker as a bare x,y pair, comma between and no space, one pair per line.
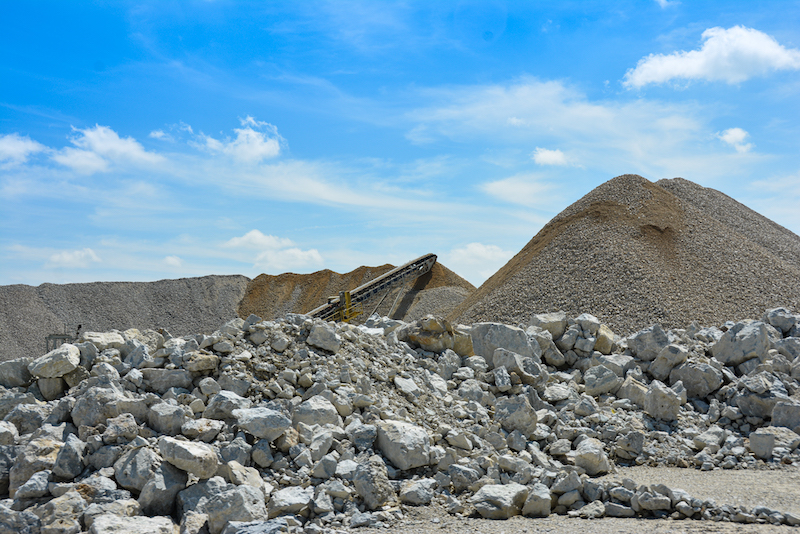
304,426
632,251
28,314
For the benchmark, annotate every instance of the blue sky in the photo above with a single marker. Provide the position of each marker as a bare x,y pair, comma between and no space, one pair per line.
150,140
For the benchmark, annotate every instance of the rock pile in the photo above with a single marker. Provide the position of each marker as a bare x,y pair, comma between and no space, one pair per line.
636,253
302,425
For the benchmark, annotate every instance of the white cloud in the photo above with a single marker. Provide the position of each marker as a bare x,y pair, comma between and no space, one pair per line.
250,145
543,156
173,261
667,3
255,240
733,56
15,149
274,254
74,259
523,189
99,147
476,262
736,138
160,134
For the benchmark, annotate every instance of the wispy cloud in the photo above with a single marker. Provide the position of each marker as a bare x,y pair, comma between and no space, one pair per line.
730,55
543,156
254,142
73,259
524,189
16,149
476,261
274,254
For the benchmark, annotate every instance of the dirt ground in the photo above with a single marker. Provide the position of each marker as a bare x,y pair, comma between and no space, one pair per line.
778,489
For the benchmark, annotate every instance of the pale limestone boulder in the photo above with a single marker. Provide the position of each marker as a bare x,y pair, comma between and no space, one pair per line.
262,422
417,492
135,467
160,380
662,402
528,370
669,357
761,444
516,413
787,414
488,337
589,455
115,524
371,482
203,429
121,507
713,436
56,363
600,379
604,339
538,502
158,494
51,388
406,445
619,363
555,322
199,361
14,373
316,411
633,390
69,506
744,341
242,503
781,318
290,500
700,379
103,340
166,418
324,336
500,501
38,455
222,405
648,342
198,459
69,461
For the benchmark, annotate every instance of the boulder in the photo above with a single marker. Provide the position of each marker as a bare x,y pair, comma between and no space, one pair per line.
262,422
538,502
554,322
115,524
699,379
14,373
241,503
103,340
135,467
323,336
429,333
405,445
667,359
158,494
222,405
160,380
786,413
417,492
290,500
198,459
316,411
516,413
166,418
742,342
590,455
56,363
600,379
661,402
372,483
500,501
647,343
488,337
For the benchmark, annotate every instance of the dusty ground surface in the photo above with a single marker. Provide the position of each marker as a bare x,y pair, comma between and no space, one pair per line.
778,489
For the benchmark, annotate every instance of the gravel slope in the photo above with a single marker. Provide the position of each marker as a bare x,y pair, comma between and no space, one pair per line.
183,306
631,253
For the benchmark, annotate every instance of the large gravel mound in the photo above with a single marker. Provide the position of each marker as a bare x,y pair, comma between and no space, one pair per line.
633,252
187,305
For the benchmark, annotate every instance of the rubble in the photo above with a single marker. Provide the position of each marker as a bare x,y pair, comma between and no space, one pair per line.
298,424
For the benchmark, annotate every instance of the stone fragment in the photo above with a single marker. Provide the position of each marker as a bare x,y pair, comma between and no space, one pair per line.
14,373
787,414
242,503
500,501
780,318
135,467
262,422
198,459
103,340
199,361
290,500
158,494
762,444
316,411
742,342
667,359
429,333
8,433
222,405
202,429
600,379
516,413
371,482
114,524
166,418
538,502
56,363
488,337
647,343
160,380
406,445
69,461
662,402
700,379
38,455
417,492
589,455
323,336
555,322
35,487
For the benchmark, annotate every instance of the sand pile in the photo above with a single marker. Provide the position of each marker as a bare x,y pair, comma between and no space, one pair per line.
271,297
633,252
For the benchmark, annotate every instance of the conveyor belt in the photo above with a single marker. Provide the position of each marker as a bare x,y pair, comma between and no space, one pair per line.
414,268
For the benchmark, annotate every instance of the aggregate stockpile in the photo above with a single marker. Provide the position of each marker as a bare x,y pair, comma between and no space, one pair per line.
308,426
636,252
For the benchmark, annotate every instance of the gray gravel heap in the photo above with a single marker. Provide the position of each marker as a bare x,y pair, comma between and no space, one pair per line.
636,252
306,426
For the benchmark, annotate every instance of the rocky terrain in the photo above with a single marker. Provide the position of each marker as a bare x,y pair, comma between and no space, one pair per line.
635,252
306,426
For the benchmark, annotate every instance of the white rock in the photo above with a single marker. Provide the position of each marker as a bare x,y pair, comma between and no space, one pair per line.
498,501
407,446
198,459
115,524
56,363
324,336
